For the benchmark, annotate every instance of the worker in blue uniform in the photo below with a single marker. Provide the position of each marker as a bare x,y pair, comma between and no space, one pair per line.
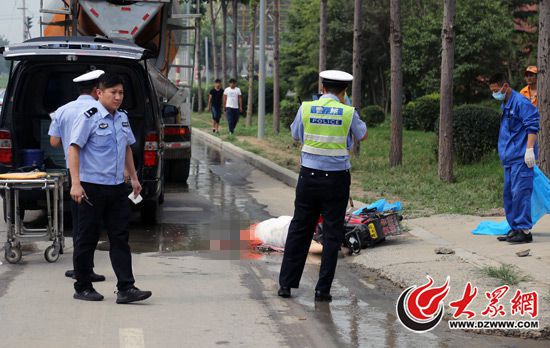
517,149
99,152
60,135
325,128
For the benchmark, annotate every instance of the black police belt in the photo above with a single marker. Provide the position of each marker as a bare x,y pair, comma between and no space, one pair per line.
316,172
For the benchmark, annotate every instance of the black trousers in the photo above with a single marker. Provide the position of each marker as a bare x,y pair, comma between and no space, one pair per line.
317,193
110,204
74,215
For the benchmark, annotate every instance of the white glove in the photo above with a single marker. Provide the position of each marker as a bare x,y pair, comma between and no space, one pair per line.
530,157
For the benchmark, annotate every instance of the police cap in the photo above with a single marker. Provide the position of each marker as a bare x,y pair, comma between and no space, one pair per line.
89,76
335,78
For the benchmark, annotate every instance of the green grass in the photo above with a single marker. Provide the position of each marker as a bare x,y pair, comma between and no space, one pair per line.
507,274
477,188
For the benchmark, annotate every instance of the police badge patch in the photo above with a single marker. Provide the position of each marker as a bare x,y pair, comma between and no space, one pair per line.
103,125
125,124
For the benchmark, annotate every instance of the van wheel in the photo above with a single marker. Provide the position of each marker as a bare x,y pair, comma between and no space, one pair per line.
149,212
178,170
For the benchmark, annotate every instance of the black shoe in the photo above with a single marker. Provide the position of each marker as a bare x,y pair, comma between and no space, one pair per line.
132,295
322,297
507,236
521,237
284,292
94,277
88,295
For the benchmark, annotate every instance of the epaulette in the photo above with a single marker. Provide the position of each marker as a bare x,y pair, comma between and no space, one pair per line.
90,112
124,111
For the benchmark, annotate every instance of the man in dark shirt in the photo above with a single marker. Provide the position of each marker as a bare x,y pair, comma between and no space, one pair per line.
215,104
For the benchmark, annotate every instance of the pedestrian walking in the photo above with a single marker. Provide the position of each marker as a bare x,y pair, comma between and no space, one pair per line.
517,149
530,91
60,135
215,98
324,127
232,104
99,152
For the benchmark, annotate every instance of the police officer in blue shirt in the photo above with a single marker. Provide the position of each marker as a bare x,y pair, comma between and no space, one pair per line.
324,127
60,135
517,149
99,152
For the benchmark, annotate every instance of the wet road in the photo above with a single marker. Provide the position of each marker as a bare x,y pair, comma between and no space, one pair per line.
218,202
209,290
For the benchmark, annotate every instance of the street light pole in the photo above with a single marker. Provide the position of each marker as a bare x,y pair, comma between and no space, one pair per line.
261,82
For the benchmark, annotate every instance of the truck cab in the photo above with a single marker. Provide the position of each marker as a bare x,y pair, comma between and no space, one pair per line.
41,81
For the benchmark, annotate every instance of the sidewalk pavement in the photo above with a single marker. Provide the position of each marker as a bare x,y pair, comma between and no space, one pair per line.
407,259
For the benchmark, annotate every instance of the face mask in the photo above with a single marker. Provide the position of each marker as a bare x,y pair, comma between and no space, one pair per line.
500,96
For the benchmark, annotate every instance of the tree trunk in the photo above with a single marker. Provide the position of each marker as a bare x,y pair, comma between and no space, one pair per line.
323,23
356,84
543,85
251,64
446,91
276,92
224,42
197,56
214,45
235,13
396,146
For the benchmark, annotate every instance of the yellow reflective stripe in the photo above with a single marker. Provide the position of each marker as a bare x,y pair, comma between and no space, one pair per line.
325,152
325,138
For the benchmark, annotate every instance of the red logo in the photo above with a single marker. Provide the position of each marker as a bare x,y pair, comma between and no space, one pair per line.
420,309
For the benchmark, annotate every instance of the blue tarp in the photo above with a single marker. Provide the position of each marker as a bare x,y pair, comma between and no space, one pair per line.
540,205
381,205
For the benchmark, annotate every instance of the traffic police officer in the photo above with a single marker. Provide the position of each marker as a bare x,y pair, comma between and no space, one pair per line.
60,135
99,152
517,148
324,127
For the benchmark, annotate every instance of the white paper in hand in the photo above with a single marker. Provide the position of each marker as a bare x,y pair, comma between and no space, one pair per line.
135,200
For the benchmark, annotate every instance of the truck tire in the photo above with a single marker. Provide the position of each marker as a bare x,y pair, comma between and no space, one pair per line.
178,170
150,212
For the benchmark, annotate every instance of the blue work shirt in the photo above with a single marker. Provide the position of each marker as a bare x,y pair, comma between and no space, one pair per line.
64,119
102,139
328,163
519,118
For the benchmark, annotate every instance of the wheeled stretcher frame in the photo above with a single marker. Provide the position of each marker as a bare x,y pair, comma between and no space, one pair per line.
16,230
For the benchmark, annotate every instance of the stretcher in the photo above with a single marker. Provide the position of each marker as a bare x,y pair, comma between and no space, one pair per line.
51,183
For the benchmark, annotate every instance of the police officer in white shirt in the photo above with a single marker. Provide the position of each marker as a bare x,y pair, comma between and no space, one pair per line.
60,134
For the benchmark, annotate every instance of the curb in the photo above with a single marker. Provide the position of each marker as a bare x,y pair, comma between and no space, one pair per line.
276,171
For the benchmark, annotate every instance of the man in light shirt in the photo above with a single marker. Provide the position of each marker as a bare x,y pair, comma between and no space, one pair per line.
232,104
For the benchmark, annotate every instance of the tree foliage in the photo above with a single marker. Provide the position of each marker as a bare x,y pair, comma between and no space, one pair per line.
484,29
482,46
4,65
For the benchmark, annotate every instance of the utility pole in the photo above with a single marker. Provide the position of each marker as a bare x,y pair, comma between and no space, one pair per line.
261,82
26,21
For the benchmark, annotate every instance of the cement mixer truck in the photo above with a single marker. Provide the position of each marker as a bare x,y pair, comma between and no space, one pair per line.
146,43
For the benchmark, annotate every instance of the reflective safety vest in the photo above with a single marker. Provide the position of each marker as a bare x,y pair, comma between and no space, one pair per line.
326,127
